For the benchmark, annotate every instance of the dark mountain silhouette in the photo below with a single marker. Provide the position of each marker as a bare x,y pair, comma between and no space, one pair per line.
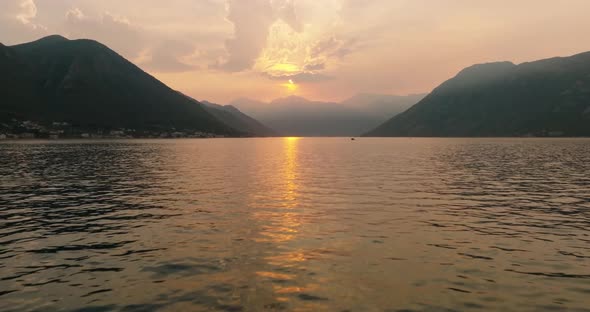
297,116
234,118
85,83
544,98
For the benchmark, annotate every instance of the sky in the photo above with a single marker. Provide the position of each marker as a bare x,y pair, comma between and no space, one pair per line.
329,50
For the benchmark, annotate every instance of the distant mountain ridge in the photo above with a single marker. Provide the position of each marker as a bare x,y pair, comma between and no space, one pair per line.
234,118
86,83
548,97
297,116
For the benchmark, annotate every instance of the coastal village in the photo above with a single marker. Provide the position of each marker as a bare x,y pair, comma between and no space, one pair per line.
26,129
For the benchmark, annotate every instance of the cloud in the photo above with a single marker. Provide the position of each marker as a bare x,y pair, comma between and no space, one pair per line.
28,12
314,67
290,55
301,77
23,11
151,50
115,31
157,51
332,47
325,51
252,21
286,11
18,21
169,57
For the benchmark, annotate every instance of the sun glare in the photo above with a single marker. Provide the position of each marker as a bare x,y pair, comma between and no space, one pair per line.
283,68
290,85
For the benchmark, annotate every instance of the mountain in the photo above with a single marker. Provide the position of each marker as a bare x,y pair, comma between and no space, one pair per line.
543,98
297,116
234,118
87,84
381,106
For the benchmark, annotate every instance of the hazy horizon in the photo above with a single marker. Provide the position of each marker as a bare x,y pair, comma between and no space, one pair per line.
222,50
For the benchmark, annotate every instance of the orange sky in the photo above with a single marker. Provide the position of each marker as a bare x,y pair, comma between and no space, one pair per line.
220,50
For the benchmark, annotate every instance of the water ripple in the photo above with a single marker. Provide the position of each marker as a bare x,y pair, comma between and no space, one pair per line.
295,224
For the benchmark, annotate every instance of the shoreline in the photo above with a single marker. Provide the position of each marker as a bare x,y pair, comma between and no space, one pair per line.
9,140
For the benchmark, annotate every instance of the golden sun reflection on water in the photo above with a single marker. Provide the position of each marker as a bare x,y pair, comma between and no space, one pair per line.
275,275
288,258
290,172
281,224
282,221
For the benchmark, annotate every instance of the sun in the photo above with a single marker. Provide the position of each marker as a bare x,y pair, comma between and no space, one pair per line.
290,85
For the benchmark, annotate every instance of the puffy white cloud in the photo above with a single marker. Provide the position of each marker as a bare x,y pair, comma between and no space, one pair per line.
23,11
18,21
28,12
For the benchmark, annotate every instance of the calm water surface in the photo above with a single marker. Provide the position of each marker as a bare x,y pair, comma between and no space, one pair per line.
296,225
